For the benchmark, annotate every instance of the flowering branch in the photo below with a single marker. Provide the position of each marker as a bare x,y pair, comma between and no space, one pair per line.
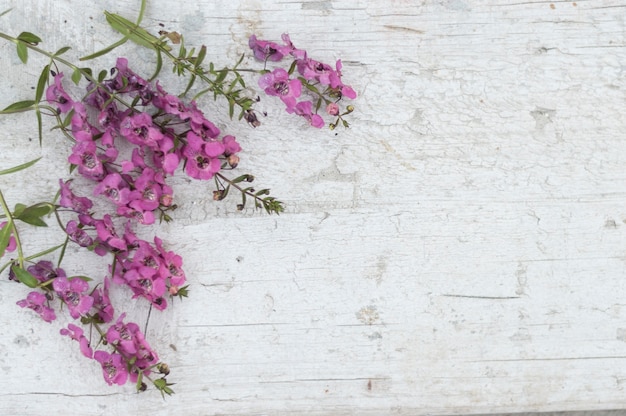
129,136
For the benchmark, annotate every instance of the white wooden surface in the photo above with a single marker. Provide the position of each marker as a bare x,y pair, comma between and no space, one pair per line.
461,249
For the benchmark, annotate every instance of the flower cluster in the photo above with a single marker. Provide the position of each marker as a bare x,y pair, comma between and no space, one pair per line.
321,79
129,136
162,130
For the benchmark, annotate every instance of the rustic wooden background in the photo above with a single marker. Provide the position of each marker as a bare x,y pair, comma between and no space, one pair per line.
460,249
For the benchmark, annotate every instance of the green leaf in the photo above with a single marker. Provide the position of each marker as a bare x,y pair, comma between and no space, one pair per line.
39,126
5,12
62,51
81,277
5,235
22,52
240,60
76,75
200,57
18,106
19,167
105,50
24,276
29,38
41,84
43,253
231,107
102,75
19,208
32,215
159,66
221,75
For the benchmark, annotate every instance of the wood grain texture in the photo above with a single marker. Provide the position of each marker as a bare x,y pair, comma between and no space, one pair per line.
460,249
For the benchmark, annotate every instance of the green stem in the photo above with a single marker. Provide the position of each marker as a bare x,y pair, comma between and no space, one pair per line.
11,223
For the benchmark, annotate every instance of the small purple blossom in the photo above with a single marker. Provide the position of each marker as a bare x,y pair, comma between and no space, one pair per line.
44,271
200,165
140,130
270,51
36,301
55,94
76,333
77,234
72,292
68,199
304,109
277,83
113,367
102,303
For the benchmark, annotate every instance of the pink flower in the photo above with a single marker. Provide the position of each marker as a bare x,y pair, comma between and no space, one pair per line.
44,270
82,205
72,294
277,83
77,234
55,94
304,109
102,303
264,50
140,130
113,367
35,301
76,334
200,165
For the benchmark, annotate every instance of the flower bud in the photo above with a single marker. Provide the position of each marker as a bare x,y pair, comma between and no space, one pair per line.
173,290
218,195
350,108
233,161
332,109
166,200
332,126
163,368
239,207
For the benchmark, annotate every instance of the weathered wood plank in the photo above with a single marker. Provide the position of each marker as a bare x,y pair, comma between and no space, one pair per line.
459,250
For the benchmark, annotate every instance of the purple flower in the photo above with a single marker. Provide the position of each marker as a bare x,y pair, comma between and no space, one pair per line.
199,165
113,367
12,243
171,266
77,234
35,301
55,94
102,303
114,188
85,157
72,294
107,234
304,109
277,83
82,205
313,70
139,129
127,81
131,344
76,334
230,145
44,270
271,51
